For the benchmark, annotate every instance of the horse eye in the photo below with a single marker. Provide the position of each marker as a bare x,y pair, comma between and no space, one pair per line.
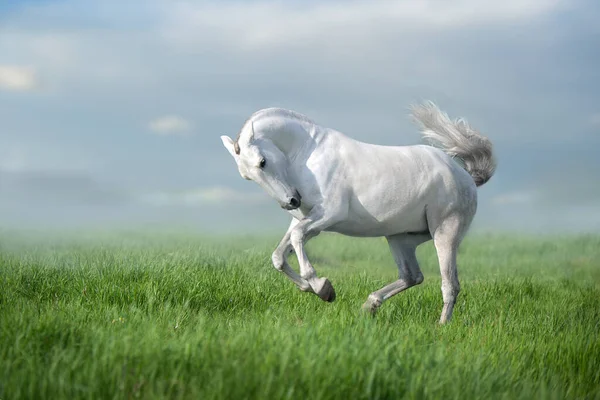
262,162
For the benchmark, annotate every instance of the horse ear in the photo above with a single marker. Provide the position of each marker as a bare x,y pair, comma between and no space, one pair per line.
251,137
229,145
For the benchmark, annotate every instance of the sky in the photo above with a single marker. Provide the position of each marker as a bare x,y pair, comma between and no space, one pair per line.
111,112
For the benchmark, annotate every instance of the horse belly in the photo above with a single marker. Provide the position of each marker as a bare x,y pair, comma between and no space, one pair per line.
409,219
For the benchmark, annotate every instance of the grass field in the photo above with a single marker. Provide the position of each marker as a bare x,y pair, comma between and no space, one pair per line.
186,316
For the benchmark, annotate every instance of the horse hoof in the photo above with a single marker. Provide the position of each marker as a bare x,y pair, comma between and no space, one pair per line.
371,306
368,310
327,292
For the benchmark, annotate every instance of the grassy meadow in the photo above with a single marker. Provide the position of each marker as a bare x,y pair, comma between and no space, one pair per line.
132,315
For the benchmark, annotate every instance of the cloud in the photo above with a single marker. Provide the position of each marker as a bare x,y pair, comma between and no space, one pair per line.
203,196
17,78
264,24
170,125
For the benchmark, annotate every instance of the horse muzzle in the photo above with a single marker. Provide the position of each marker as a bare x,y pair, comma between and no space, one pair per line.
293,202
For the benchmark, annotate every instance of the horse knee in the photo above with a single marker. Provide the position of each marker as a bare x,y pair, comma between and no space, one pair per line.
296,238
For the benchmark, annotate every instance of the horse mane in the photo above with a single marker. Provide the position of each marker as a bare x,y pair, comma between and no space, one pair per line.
267,112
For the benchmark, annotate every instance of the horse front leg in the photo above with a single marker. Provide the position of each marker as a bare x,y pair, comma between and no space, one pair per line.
315,222
280,255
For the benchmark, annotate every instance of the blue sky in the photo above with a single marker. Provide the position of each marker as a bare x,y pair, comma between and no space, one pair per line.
111,112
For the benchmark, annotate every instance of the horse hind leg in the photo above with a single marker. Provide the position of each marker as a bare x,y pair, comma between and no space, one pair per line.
403,248
447,237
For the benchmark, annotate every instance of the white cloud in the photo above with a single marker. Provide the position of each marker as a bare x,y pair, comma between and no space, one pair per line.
17,78
203,196
264,24
170,125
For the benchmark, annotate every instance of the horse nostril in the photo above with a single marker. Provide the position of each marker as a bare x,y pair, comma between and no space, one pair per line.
294,202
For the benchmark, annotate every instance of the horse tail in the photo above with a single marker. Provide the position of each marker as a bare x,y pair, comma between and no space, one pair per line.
457,139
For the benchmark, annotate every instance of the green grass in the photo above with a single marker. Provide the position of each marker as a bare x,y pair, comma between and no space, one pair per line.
184,316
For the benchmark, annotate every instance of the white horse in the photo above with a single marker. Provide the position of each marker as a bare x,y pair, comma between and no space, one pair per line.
330,182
